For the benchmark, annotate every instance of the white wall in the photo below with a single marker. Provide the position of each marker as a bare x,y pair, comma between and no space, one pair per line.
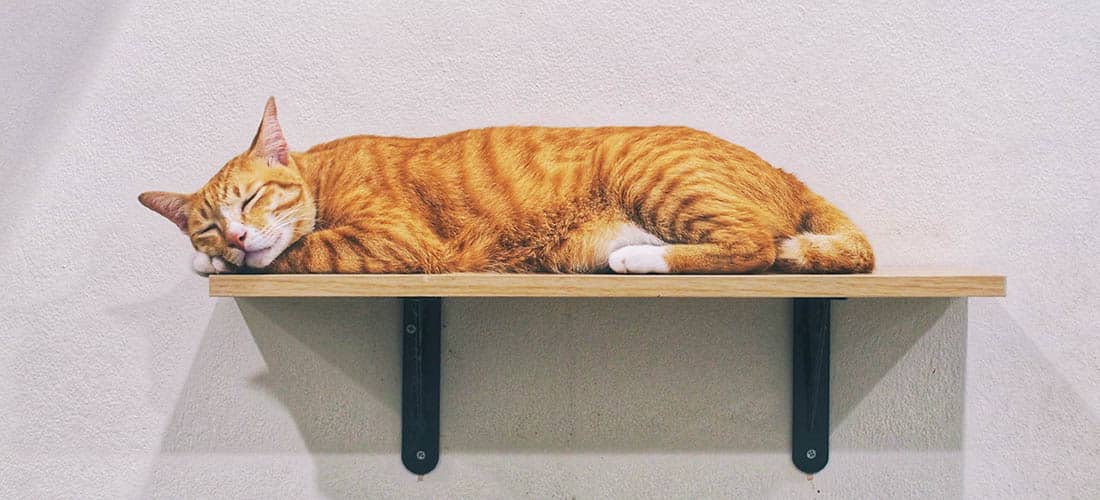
956,135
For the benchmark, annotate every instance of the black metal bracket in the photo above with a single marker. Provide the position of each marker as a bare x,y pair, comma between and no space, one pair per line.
810,385
420,371
420,383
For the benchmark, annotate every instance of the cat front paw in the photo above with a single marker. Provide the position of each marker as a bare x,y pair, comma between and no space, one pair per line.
639,259
205,265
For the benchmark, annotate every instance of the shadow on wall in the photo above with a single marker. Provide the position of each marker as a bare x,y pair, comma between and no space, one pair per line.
1049,423
570,375
590,375
68,42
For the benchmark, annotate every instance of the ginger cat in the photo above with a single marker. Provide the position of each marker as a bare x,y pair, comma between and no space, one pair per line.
511,199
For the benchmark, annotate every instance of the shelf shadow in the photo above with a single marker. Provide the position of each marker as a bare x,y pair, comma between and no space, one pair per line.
608,374
562,376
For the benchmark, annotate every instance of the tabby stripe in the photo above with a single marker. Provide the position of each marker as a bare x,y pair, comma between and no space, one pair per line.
556,179
377,167
441,196
288,203
635,209
571,155
503,184
419,195
467,190
685,203
531,150
690,227
669,164
624,153
434,213
404,179
602,151
402,167
647,190
577,180
625,161
300,257
359,249
331,254
666,193
395,238
657,154
666,139
333,181
284,185
349,261
318,199
634,196
631,175
674,157
406,253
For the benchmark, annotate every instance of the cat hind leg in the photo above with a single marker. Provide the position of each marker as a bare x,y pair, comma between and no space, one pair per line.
741,253
719,237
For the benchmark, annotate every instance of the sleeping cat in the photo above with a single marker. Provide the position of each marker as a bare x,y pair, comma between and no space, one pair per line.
511,199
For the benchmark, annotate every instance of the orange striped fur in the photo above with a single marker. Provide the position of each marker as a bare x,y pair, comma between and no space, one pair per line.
512,199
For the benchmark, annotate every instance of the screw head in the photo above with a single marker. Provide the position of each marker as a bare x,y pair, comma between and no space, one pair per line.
410,329
420,455
811,454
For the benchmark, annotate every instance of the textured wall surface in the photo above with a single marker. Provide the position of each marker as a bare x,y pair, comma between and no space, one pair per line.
957,136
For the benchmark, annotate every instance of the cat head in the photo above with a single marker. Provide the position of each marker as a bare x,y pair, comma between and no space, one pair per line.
252,209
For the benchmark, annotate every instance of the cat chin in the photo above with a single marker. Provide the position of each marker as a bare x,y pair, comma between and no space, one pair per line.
259,259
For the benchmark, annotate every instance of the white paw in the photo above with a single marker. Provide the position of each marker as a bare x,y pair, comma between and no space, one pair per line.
219,265
791,250
639,259
204,264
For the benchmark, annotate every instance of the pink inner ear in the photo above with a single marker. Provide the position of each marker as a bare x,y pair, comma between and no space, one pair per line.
274,144
270,143
171,205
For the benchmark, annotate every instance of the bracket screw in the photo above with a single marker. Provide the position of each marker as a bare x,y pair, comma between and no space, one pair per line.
811,454
420,455
410,329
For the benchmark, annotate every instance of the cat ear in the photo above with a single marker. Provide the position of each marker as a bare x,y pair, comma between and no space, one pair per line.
269,143
173,206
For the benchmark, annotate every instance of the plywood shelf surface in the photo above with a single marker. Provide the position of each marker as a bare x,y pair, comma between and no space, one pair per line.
884,283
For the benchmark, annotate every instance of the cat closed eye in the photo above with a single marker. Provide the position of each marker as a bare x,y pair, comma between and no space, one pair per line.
207,229
247,203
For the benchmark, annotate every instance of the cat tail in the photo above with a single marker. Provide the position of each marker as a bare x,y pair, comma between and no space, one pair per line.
828,242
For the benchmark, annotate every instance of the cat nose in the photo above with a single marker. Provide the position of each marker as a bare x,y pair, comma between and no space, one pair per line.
235,236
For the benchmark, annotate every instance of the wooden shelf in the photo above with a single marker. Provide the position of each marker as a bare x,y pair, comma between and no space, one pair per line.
885,283
423,299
